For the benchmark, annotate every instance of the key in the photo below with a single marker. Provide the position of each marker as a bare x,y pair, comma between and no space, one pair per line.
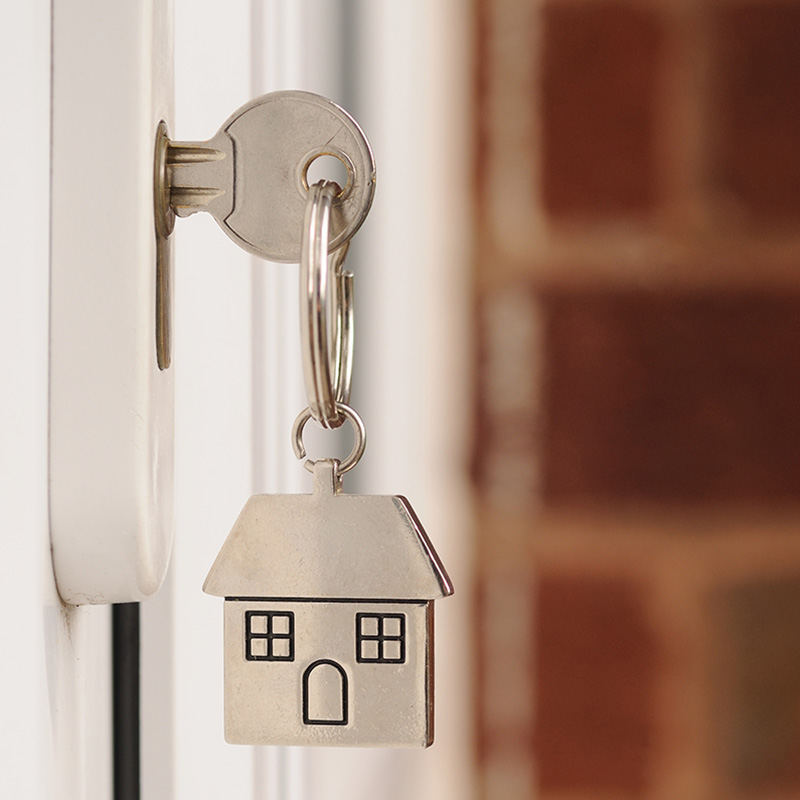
252,176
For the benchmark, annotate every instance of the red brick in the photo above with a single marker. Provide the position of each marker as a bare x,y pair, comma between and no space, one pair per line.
671,397
505,668
757,133
758,710
480,129
597,659
600,77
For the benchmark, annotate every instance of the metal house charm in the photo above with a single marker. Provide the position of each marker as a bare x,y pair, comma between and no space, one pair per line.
328,596
328,619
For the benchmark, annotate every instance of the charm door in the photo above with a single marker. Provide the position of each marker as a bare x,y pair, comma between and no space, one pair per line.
325,694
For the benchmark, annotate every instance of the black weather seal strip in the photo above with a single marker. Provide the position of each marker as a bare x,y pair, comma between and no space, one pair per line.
127,736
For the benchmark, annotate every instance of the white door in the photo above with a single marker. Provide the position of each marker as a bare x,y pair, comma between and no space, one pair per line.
401,69
55,671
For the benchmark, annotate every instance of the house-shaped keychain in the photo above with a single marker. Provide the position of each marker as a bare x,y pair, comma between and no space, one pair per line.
328,619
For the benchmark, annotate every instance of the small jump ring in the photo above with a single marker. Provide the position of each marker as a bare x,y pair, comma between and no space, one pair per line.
345,412
326,311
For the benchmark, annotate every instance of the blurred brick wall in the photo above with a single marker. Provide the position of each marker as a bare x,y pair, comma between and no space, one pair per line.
637,446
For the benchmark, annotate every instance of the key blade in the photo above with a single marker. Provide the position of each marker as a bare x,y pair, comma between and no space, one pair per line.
196,176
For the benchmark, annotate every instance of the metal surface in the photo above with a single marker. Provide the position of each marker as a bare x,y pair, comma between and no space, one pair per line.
326,311
359,445
164,223
252,176
328,619
357,704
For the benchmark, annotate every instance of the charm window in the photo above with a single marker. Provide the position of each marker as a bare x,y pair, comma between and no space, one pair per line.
269,636
381,638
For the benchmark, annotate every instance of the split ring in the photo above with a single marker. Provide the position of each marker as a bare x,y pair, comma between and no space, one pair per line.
326,311
359,445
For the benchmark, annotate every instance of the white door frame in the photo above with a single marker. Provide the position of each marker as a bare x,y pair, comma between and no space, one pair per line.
237,376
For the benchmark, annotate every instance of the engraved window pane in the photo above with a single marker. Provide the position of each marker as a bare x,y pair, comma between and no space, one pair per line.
391,626
369,650
369,626
391,650
280,648
280,623
258,623
258,648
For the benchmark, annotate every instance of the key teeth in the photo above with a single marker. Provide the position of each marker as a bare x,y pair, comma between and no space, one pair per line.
186,200
179,153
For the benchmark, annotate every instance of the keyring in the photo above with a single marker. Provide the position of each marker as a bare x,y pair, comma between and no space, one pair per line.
326,311
359,445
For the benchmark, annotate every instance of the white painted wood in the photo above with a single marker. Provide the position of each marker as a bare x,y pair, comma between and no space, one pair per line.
55,671
25,53
79,683
111,432
158,681
278,31
212,362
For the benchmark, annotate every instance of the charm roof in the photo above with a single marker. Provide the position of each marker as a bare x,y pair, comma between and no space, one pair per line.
328,545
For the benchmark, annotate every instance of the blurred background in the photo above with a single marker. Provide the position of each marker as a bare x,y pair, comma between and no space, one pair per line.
636,437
